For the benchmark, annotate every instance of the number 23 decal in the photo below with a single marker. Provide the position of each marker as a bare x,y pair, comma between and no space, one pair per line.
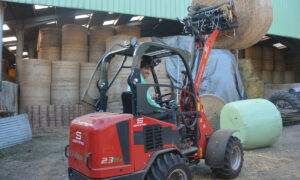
107,160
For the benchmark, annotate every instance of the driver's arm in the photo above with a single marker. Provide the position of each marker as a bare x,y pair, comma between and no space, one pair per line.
151,101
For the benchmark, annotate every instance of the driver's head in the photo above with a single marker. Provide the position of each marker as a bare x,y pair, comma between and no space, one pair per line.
146,67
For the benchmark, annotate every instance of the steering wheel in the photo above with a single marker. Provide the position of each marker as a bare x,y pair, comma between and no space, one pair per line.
166,101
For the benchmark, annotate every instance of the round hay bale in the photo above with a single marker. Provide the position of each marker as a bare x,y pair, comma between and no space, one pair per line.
289,77
35,79
268,53
132,31
278,77
34,93
74,35
95,54
267,76
65,83
279,66
241,54
258,122
49,37
65,72
49,53
86,72
279,56
254,88
145,39
251,28
254,53
97,42
115,107
258,74
74,53
35,70
163,77
257,64
120,84
212,106
98,36
268,65
117,39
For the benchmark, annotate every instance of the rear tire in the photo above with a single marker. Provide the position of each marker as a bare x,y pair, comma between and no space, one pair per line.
233,160
288,97
169,167
289,107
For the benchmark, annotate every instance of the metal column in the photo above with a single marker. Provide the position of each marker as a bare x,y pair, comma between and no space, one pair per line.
20,46
2,6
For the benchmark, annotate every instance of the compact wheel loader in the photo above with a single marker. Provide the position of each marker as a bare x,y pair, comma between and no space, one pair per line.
141,143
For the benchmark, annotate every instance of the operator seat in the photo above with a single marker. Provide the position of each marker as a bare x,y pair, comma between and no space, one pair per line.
127,102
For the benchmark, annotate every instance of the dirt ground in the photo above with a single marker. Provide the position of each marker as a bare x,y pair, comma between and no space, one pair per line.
43,159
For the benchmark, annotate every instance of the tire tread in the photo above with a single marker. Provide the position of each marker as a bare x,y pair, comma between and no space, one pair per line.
163,164
226,172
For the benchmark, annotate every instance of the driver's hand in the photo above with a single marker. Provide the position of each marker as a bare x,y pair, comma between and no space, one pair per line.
154,96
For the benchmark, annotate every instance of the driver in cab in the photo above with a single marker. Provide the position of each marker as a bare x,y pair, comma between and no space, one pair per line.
145,70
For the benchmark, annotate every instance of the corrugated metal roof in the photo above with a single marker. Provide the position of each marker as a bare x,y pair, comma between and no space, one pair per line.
169,9
286,18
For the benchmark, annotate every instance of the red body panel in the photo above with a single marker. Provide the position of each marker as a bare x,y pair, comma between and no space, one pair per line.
97,134
140,157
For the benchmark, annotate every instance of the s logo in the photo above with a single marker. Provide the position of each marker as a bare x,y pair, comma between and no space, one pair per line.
78,135
140,121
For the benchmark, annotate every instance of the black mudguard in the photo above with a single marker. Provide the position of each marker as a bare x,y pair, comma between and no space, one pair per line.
215,150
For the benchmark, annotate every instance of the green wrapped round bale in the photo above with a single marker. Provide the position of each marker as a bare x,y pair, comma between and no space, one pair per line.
257,120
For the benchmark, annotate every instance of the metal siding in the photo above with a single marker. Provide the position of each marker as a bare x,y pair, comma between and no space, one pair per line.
169,9
286,18
14,130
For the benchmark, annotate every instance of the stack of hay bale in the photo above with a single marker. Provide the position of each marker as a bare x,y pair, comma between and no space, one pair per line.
250,69
65,83
65,74
120,83
293,64
48,87
274,67
35,80
122,37
263,64
86,72
268,64
49,44
280,68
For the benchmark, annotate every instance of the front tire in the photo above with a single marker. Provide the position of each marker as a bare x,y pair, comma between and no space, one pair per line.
169,167
233,160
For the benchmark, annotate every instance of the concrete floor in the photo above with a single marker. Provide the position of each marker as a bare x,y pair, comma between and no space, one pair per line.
43,159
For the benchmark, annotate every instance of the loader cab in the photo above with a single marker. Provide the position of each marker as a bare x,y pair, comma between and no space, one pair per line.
121,88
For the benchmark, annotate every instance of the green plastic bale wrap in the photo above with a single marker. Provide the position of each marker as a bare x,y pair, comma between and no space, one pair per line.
257,120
